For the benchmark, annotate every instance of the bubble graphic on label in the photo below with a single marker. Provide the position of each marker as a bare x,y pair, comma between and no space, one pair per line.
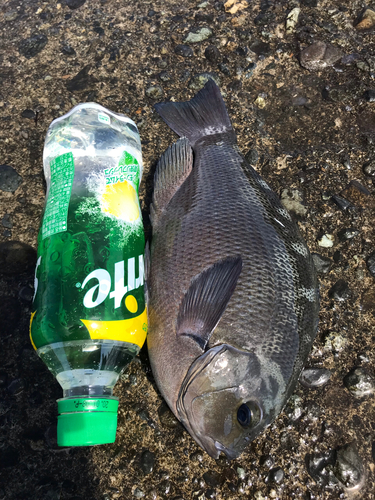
121,201
131,303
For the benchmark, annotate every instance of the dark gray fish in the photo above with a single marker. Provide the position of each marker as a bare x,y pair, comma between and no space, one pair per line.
232,290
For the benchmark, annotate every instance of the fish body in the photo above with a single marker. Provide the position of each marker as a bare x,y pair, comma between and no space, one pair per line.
232,290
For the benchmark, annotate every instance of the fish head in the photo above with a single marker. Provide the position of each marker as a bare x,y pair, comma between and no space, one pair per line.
229,396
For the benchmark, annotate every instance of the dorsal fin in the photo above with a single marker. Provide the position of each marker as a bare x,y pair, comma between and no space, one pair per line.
205,301
173,168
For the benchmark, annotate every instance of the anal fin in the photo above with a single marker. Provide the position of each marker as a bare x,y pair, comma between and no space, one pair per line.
173,168
207,298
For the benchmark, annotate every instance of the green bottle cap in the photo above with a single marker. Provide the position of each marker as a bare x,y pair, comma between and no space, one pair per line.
86,421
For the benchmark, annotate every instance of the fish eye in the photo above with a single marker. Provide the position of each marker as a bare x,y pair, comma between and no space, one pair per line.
248,414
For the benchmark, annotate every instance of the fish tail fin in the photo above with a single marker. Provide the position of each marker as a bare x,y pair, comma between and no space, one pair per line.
203,115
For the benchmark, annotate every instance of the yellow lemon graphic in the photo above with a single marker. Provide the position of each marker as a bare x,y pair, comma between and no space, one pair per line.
131,303
121,201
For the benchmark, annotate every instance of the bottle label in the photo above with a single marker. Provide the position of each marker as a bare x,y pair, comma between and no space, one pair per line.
89,279
56,211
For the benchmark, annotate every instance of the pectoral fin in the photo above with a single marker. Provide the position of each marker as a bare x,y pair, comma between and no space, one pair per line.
205,301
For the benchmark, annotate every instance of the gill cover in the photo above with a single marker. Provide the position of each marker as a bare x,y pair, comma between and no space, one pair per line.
227,399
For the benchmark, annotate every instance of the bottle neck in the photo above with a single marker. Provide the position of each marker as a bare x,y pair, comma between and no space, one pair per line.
88,391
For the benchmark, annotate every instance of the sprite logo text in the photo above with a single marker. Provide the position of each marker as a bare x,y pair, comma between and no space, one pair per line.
104,283
128,169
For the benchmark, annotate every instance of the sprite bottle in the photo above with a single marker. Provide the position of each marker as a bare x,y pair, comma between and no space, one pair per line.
89,315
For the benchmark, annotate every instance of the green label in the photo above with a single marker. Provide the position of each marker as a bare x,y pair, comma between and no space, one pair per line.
56,212
127,170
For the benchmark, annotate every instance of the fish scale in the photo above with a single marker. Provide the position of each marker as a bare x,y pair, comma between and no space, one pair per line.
231,283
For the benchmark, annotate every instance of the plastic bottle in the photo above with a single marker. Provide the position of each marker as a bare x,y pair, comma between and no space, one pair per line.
89,316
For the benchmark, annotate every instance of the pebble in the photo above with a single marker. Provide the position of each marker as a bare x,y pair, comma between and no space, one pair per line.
184,50
369,169
212,54
81,81
199,81
326,241
198,35
11,15
315,377
7,221
74,4
291,199
359,382
16,257
276,475
241,473
249,70
367,21
292,20
349,469
68,50
26,293
266,461
154,91
340,291
347,234
30,47
16,386
147,461
213,479
319,55
252,157
341,202
9,178
260,48
370,262
317,466
165,76
224,68
369,95
322,264
28,113
138,493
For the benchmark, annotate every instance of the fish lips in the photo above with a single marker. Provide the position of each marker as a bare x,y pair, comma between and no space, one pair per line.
216,385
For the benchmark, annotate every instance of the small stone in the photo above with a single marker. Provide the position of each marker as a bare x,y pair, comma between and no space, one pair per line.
367,21
319,55
369,95
319,466
340,291
260,48
341,202
359,383
68,50
30,47
291,199
276,475
7,221
369,169
326,241
349,469
241,473
199,81
224,68
347,234
314,377
266,461
292,20
184,51
11,15
16,386
138,493
212,54
81,81
26,293
9,178
16,257
154,92
167,418
258,495
165,76
74,4
249,70
147,462
260,102
198,35
252,157
370,262
213,479
28,113
322,264
335,341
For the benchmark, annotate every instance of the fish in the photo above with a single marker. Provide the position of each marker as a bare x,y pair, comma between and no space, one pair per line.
232,292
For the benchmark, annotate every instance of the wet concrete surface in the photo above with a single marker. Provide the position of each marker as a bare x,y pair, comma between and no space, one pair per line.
306,121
